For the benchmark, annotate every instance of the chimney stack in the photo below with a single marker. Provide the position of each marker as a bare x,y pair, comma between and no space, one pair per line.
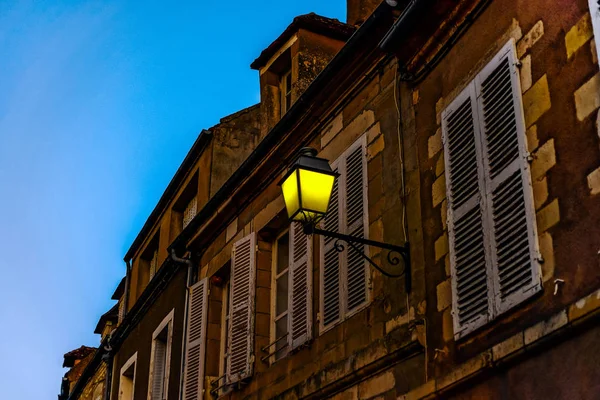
357,11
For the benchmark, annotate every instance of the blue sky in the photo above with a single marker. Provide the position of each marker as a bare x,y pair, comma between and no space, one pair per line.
99,103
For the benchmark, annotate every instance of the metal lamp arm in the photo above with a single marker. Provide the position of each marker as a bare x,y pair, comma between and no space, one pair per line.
352,241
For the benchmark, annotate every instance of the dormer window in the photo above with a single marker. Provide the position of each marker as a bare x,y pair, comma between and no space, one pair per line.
186,206
190,211
285,88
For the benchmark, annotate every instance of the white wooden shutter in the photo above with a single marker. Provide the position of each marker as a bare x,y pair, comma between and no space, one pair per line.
510,209
158,370
595,13
241,326
354,221
300,292
330,287
193,377
471,302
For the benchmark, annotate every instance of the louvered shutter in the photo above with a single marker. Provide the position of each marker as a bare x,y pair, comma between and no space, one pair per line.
196,341
354,223
595,13
330,287
510,209
300,294
241,327
466,226
158,370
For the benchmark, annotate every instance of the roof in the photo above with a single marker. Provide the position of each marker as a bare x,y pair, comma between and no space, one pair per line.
111,315
185,167
182,172
329,27
77,354
119,290
366,38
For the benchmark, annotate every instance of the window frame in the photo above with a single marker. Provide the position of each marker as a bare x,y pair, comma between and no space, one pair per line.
274,276
132,361
166,323
344,313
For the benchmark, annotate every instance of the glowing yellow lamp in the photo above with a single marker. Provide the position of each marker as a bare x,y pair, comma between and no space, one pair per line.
307,187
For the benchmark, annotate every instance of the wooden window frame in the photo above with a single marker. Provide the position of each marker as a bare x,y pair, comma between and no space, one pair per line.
132,361
167,323
274,277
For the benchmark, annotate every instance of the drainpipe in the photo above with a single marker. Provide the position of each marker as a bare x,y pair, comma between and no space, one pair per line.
108,358
190,265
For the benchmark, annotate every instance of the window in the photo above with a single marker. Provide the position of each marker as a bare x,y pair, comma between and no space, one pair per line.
127,379
193,374
344,282
190,211
160,359
148,262
292,291
281,258
491,222
185,207
286,91
224,337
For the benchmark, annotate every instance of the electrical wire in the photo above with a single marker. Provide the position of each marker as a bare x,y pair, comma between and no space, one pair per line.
401,154
403,188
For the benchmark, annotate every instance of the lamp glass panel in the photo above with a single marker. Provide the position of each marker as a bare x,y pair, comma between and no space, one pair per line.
316,190
291,194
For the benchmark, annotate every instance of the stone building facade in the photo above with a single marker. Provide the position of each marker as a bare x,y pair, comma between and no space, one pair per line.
469,130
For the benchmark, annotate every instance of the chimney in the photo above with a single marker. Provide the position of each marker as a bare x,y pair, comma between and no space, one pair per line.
357,11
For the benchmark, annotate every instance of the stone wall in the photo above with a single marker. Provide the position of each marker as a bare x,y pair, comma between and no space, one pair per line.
376,352
560,92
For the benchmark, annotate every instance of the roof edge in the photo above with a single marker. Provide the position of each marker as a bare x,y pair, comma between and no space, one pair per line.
315,23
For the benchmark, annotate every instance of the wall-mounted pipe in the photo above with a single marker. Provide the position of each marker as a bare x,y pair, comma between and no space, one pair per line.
190,265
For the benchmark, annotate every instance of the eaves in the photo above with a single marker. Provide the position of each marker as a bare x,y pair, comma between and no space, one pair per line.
277,149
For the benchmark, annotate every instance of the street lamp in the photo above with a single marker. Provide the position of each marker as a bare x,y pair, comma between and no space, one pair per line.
307,188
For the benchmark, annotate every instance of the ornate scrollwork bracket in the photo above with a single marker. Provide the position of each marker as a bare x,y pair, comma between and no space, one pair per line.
393,256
